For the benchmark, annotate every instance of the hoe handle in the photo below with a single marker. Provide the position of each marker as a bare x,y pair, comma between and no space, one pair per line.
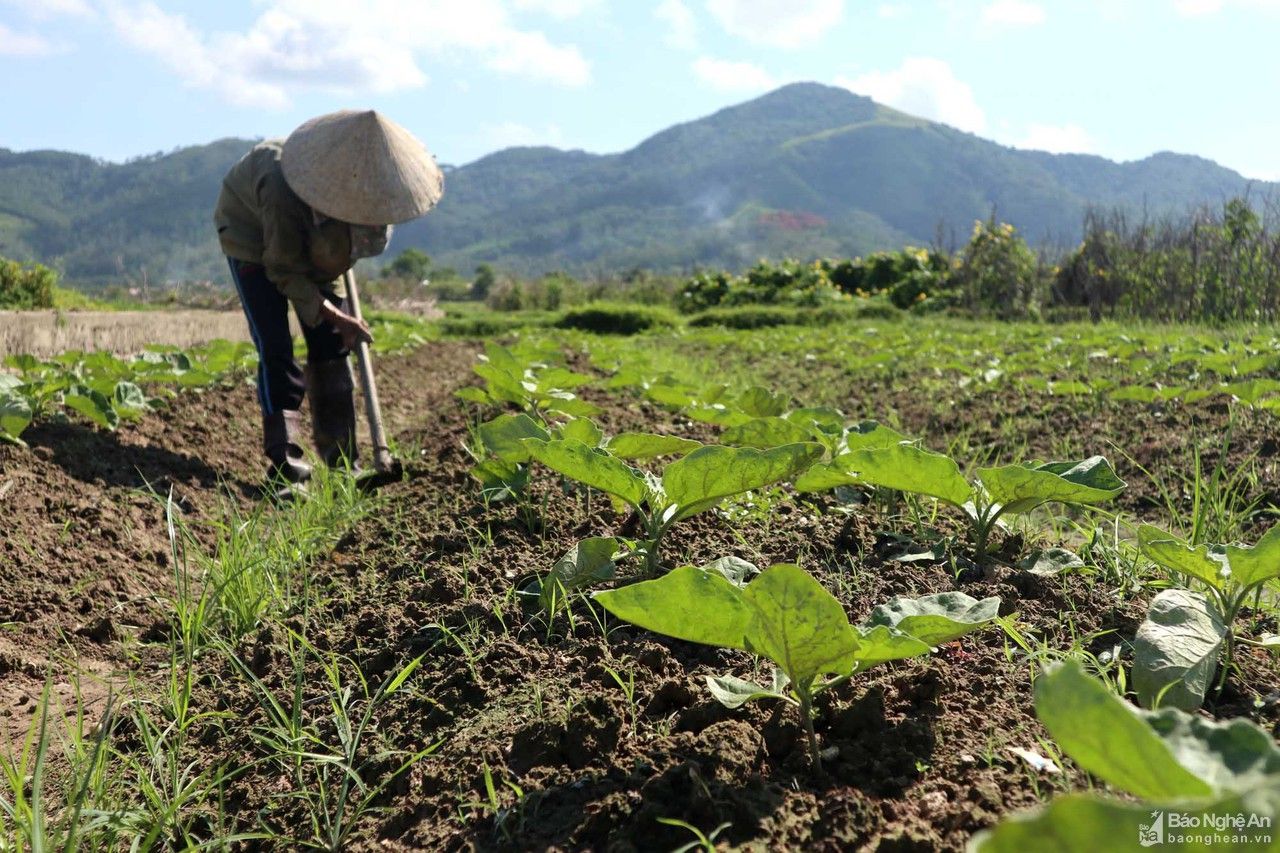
382,461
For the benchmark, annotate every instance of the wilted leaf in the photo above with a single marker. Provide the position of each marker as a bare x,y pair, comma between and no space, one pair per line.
734,692
1175,652
1050,561
590,561
735,569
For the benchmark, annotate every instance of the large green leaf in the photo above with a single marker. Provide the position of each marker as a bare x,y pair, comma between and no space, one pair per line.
1176,649
1085,823
869,435
568,404
500,479
644,445
1175,554
1109,738
765,433
718,414
94,405
823,419
710,474
935,619
130,402
501,384
1261,563
686,603
15,413
590,466
1022,488
825,476
559,378
584,430
760,402
908,468
798,625
503,435
1233,756
784,615
881,644
474,394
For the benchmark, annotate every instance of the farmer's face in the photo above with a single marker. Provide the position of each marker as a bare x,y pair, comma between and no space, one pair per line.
369,240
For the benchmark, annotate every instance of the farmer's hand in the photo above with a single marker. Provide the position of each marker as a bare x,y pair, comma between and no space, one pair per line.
353,331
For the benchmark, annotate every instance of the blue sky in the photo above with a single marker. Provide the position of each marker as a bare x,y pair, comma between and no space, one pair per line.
1120,78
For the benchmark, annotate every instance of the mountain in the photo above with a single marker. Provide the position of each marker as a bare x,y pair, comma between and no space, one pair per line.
807,170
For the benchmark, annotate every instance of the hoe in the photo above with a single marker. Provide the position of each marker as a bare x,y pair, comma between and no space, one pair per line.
386,468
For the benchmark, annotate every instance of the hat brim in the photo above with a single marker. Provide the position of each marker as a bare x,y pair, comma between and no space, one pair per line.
362,168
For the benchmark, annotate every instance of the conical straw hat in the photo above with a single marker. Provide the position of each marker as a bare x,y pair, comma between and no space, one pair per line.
362,168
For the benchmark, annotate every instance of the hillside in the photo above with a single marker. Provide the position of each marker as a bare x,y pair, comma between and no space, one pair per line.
806,170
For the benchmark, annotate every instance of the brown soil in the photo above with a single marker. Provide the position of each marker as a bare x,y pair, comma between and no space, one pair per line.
919,751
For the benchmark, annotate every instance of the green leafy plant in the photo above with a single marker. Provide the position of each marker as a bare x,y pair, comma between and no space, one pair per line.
1171,761
695,483
786,616
537,388
1000,491
588,562
1178,646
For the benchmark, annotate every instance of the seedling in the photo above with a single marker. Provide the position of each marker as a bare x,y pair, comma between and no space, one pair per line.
1169,760
786,616
1000,491
1177,648
688,486
538,389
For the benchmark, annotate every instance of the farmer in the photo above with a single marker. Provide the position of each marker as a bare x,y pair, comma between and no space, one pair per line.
292,217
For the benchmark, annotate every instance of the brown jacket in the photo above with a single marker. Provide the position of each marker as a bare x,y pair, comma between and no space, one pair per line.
262,221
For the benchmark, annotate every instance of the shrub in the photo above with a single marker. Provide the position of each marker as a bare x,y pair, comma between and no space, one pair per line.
763,317
483,283
26,286
610,318
506,296
998,273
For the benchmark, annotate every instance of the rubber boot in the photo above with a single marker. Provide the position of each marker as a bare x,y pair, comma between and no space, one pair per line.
333,411
281,441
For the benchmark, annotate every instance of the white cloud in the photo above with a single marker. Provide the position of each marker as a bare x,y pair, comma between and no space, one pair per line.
509,134
1058,139
777,23
563,9
925,87
1012,13
727,76
343,46
891,10
14,43
682,29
